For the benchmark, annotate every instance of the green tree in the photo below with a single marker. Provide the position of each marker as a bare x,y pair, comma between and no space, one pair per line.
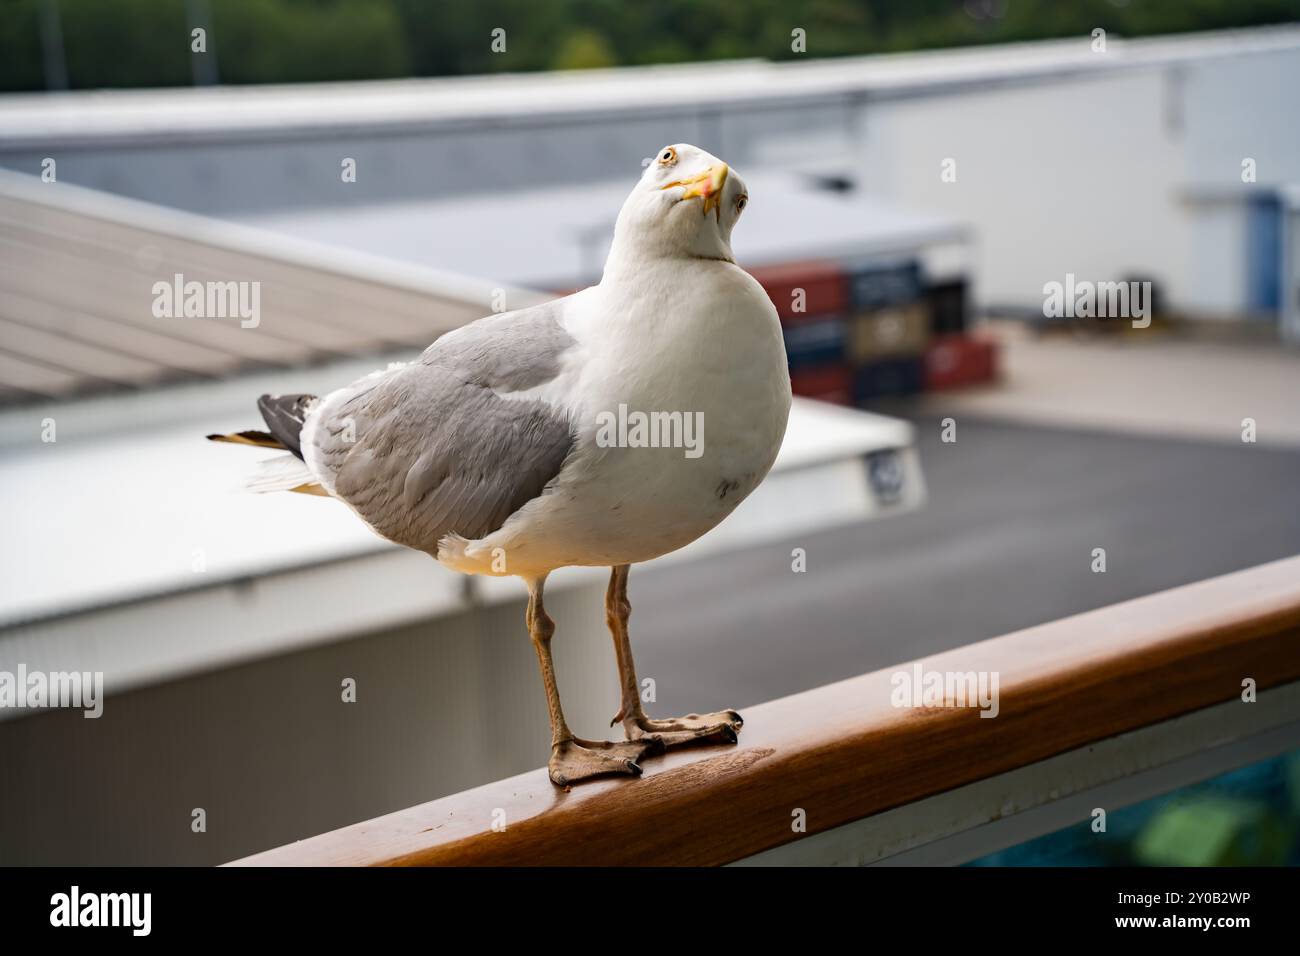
584,50
146,42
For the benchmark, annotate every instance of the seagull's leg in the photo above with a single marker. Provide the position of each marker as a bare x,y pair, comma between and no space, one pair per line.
720,727
573,759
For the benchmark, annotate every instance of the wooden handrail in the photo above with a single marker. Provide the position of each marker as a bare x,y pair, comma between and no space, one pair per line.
844,752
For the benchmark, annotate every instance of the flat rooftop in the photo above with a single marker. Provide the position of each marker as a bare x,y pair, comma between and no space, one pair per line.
169,513
558,238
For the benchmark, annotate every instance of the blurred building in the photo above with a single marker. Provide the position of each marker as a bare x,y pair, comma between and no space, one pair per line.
891,194
1171,159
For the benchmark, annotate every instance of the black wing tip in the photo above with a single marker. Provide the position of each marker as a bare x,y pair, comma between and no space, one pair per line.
249,436
284,416
294,405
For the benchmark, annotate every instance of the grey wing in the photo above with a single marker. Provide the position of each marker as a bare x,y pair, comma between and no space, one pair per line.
433,448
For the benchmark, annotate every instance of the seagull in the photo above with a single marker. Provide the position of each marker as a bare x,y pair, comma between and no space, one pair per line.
602,429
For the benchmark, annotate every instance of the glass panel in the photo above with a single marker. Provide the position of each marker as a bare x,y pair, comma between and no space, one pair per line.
1248,817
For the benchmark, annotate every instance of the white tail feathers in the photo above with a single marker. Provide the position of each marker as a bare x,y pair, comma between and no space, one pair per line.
284,473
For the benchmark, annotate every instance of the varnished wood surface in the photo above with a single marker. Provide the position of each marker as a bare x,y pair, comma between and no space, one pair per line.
843,752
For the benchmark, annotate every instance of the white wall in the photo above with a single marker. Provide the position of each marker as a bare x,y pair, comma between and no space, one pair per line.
1069,176
1091,174
1215,280
1244,106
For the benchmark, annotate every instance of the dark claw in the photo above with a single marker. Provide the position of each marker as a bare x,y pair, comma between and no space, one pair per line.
729,735
634,768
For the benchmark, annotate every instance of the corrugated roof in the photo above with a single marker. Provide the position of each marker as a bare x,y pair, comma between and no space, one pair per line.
77,295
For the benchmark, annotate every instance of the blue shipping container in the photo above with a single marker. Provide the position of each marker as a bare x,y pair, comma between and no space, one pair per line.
884,379
874,287
814,343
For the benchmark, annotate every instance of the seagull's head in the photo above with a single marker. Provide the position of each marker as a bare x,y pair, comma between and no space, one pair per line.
685,205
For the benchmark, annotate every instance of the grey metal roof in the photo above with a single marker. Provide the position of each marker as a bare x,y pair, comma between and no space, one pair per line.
78,268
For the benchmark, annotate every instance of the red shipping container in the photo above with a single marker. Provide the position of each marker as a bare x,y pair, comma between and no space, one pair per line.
953,361
824,285
830,383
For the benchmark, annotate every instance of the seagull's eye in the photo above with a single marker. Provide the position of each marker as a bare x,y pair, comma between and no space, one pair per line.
741,203
668,157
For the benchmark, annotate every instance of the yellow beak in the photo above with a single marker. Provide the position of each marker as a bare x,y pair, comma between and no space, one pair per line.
707,186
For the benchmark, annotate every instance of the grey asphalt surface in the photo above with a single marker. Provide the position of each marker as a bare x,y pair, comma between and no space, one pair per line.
1004,542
